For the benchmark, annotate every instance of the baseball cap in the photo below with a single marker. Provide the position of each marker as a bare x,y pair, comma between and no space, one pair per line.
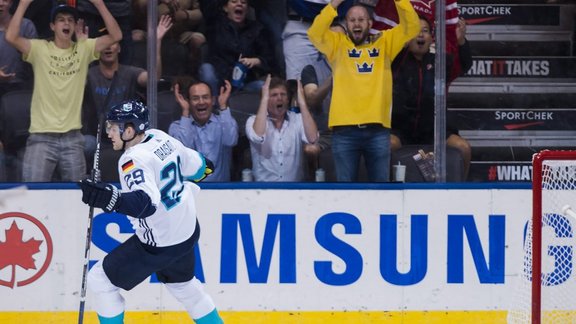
63,8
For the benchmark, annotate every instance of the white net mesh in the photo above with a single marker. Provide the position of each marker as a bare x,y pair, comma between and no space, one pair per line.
558,296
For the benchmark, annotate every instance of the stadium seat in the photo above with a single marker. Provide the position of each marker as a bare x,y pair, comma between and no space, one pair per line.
14,125
326,162
175,58
242,104
15,119
168,110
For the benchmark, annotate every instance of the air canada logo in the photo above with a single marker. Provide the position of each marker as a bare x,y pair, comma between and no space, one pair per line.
25,249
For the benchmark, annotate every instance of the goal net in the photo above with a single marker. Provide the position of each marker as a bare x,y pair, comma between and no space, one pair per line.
546,287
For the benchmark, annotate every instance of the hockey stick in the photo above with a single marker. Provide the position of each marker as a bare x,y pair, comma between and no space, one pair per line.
95,175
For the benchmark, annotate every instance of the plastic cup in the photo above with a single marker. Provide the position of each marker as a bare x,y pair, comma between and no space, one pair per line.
399,172
320,175
247,175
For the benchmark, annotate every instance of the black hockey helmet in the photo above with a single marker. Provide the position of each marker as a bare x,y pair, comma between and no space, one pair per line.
129,112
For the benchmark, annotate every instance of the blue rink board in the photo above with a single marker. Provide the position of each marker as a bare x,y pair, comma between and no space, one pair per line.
308,185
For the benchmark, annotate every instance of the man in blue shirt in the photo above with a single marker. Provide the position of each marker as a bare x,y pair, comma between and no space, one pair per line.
212,134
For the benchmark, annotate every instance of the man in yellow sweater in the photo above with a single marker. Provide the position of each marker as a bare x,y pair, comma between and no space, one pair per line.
361,105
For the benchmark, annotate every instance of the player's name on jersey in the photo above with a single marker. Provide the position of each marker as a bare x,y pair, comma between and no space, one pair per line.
164,150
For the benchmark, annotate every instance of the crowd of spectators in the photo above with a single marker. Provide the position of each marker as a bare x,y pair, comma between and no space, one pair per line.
317,66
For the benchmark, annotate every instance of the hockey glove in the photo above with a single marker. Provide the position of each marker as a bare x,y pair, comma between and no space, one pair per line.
101,195
208,171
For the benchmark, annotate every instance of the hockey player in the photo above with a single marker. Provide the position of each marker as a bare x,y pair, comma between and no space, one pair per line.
158,198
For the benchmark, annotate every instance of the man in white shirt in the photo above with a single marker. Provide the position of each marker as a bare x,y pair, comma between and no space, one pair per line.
277,135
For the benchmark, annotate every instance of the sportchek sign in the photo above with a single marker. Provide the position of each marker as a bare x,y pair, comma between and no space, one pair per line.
527,15
482,119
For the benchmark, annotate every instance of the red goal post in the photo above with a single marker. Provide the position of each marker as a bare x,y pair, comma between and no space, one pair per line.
547,289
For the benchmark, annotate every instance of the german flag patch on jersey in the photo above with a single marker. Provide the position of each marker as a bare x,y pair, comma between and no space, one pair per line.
128,166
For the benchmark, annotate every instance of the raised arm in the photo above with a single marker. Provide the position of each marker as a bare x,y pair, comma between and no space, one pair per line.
260,121
164,26
182,129
408,28
310,128
114,33
409,23
315,94
229,124
464,54
182,102
13,37
320,34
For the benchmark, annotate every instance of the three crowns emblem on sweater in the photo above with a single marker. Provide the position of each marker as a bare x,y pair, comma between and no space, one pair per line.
364,67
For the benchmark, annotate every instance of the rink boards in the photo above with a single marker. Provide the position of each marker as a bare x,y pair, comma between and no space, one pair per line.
288,254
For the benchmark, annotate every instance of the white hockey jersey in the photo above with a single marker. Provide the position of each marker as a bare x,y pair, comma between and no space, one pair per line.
162,167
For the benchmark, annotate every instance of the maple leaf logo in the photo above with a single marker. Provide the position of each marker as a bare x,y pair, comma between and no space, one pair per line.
15,252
